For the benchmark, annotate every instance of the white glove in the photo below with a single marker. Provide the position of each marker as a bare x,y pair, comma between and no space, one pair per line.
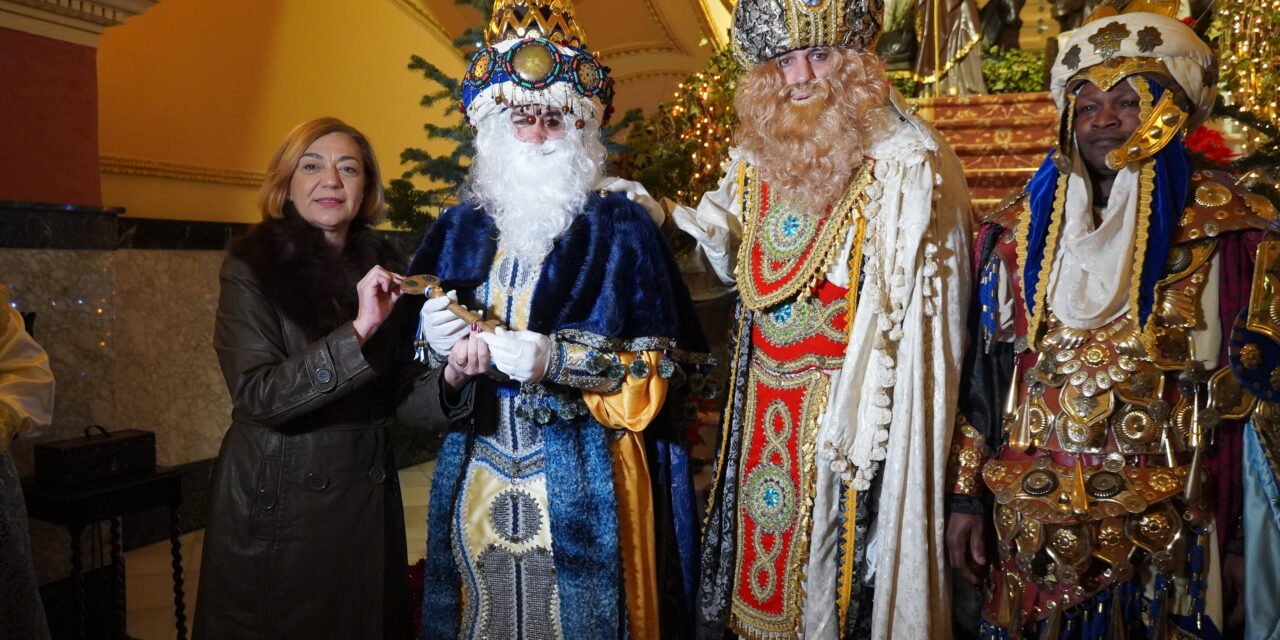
439,326
636,193
523,355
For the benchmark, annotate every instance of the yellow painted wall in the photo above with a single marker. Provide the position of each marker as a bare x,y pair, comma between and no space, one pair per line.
218,83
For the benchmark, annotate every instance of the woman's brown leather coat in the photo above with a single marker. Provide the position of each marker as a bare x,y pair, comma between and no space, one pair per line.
306,534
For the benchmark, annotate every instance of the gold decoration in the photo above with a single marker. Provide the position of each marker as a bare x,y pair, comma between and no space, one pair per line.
547,19
1071,59
821,250
1164,480
1178,307
533,63
1106,42
1137,433
1261,206
764,29
1109,8
1196,253
1095,355
1143,144
1105,76
1263,297
1227,396
1250,356
1148,39
1212,194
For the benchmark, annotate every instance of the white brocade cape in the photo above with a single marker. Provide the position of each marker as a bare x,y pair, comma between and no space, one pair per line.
892,404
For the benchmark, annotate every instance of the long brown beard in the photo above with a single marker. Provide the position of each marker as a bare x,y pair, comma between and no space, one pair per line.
808,151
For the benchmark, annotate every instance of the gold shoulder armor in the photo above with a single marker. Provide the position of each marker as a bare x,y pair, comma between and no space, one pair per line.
1218,205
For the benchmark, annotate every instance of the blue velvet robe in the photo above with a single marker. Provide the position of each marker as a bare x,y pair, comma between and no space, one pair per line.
610,282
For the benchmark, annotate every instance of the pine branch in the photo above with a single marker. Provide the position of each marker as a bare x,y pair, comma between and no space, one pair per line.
1254,162
609,134
1223,110
470,39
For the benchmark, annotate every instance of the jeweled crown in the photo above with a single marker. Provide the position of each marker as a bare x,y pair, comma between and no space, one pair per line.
547,19
765,29
534,54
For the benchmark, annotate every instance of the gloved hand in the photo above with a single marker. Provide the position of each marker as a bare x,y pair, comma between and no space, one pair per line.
523,355
439,326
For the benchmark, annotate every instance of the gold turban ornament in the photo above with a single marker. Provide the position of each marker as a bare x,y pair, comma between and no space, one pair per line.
766,29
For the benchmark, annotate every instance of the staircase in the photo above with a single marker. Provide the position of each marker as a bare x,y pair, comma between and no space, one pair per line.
1000,139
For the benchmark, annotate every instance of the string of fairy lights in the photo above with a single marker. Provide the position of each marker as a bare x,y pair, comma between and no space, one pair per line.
1248,45
683,148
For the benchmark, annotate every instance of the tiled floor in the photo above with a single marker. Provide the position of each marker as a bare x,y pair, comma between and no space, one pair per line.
149,581
149,574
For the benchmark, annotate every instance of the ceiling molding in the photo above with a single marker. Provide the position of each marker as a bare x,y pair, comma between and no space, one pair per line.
661,19
176,171
639,48
421,14
651,73
79,22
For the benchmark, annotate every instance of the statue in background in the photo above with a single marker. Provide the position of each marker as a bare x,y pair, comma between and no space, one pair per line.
949,60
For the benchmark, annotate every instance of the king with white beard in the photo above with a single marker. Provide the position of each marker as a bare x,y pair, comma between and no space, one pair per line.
561,505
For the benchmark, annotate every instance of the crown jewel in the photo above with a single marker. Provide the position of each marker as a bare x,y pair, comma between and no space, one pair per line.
765,29
547,19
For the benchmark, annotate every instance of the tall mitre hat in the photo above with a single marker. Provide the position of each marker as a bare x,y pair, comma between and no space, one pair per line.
766,29
1141,38
535,54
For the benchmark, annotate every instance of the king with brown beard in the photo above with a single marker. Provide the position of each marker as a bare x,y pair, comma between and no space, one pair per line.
842,226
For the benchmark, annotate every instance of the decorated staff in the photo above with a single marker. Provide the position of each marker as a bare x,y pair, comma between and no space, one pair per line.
841,225
1100,425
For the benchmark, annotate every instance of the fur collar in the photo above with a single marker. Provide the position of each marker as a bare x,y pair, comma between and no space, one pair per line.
311,283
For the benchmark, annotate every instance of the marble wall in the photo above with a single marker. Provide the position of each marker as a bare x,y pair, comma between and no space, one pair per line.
129,335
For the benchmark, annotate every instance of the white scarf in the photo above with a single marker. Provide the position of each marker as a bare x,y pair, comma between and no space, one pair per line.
1089,286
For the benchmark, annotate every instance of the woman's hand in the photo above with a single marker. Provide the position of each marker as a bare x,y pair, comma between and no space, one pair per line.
468,359
377,291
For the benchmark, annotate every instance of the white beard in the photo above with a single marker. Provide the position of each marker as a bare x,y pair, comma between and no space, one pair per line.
533,191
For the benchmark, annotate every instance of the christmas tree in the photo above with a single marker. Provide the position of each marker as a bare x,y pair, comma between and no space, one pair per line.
1245,36
680,151
413,208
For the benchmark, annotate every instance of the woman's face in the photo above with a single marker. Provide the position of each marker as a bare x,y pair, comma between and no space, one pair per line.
328,184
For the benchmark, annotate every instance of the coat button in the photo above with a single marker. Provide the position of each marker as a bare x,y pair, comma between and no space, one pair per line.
317,481
266,500
378,475
379,415
323,376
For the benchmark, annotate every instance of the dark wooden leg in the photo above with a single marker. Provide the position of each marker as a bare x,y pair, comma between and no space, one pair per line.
117,561
179,607
77,578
